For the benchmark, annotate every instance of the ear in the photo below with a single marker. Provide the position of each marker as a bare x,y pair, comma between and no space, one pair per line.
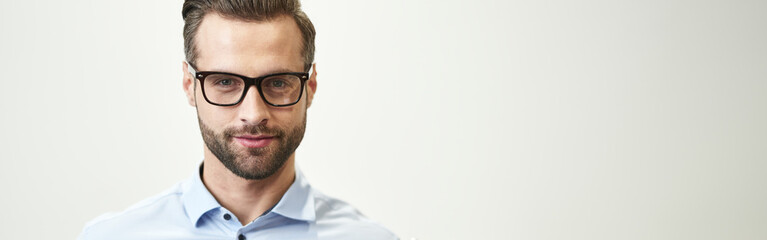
188,83
312,83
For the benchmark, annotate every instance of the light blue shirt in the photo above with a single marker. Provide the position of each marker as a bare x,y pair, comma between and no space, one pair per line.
188,211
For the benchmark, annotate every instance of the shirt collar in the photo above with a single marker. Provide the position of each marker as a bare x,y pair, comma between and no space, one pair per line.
197,199
297,203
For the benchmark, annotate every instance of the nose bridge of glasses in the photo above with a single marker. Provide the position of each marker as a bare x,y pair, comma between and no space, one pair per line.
252,108
251,93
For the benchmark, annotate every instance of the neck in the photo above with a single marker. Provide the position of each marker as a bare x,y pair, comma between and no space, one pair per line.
246,199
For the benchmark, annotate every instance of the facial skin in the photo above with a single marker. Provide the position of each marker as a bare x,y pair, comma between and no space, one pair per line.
252,49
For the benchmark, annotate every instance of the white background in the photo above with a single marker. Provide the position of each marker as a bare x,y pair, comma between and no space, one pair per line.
439,119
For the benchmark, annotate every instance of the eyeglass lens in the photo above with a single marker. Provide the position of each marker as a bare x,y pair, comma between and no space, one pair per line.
228,89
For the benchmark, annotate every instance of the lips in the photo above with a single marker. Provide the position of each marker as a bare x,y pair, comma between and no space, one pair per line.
251,141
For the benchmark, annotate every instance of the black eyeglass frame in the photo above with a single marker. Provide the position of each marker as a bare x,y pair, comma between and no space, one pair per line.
248,81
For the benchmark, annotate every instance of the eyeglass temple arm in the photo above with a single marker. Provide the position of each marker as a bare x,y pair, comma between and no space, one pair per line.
311,67
191,69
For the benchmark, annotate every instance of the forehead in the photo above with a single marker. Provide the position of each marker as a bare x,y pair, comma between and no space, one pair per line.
248,47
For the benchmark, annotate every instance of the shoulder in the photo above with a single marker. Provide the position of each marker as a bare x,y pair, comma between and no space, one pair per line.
136,218
337,219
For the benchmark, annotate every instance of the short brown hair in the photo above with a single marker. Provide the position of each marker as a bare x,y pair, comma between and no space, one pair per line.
249,10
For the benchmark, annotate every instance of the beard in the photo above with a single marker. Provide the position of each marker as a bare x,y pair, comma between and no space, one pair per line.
253,163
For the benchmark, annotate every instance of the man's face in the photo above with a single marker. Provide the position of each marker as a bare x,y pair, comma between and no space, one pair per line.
252,139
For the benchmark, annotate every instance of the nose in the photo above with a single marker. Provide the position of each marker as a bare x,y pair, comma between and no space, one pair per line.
253,110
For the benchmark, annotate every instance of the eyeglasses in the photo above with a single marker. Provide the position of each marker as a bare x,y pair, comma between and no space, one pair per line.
228,89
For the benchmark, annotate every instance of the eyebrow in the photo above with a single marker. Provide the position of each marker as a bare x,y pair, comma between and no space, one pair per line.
280,70
273,71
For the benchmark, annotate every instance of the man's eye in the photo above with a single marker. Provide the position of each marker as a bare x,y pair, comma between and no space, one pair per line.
277,83
225,82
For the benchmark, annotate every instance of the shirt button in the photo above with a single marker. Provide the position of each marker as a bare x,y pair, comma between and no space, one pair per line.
241,237
227,216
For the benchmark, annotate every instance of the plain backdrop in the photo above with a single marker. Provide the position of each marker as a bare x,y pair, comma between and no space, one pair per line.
439,119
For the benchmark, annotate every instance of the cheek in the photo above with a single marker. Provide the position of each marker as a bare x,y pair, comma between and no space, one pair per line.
288,117
285,116
214,117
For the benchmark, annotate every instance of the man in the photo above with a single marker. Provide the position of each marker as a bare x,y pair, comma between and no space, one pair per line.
248,75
